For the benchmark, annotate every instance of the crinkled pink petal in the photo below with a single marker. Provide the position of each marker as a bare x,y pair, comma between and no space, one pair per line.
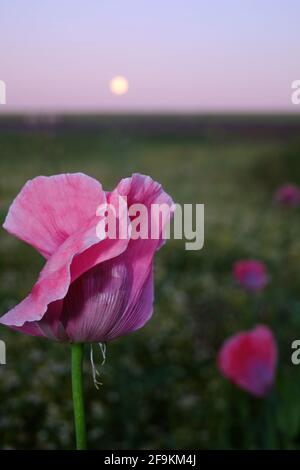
101,306
91,290
95,300
140,253
138,311
124,302
59,272
49,326
142,189
50,209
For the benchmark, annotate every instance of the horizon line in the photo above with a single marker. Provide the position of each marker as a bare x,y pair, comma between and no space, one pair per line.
147,112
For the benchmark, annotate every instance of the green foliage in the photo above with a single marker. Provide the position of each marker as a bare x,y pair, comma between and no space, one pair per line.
282,164
161,388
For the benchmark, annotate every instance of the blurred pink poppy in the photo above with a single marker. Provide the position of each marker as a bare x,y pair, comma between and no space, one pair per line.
288,195
251,274
90,290
249,359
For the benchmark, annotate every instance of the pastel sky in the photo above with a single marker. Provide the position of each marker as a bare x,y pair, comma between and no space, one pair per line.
178,55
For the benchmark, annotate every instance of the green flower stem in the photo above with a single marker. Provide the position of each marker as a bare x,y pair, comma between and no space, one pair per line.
77,390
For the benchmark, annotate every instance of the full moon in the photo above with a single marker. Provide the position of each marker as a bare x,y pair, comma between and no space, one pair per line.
119,85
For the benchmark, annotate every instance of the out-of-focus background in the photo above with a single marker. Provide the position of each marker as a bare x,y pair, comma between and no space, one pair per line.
194,74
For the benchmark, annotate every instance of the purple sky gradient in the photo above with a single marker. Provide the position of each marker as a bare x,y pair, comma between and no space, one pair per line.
178,55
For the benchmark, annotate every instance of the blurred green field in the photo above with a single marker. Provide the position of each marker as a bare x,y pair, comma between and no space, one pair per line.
161,388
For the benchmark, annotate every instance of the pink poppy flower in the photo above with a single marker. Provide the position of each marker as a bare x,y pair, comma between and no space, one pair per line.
248,359
90,290
288,195
251,274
